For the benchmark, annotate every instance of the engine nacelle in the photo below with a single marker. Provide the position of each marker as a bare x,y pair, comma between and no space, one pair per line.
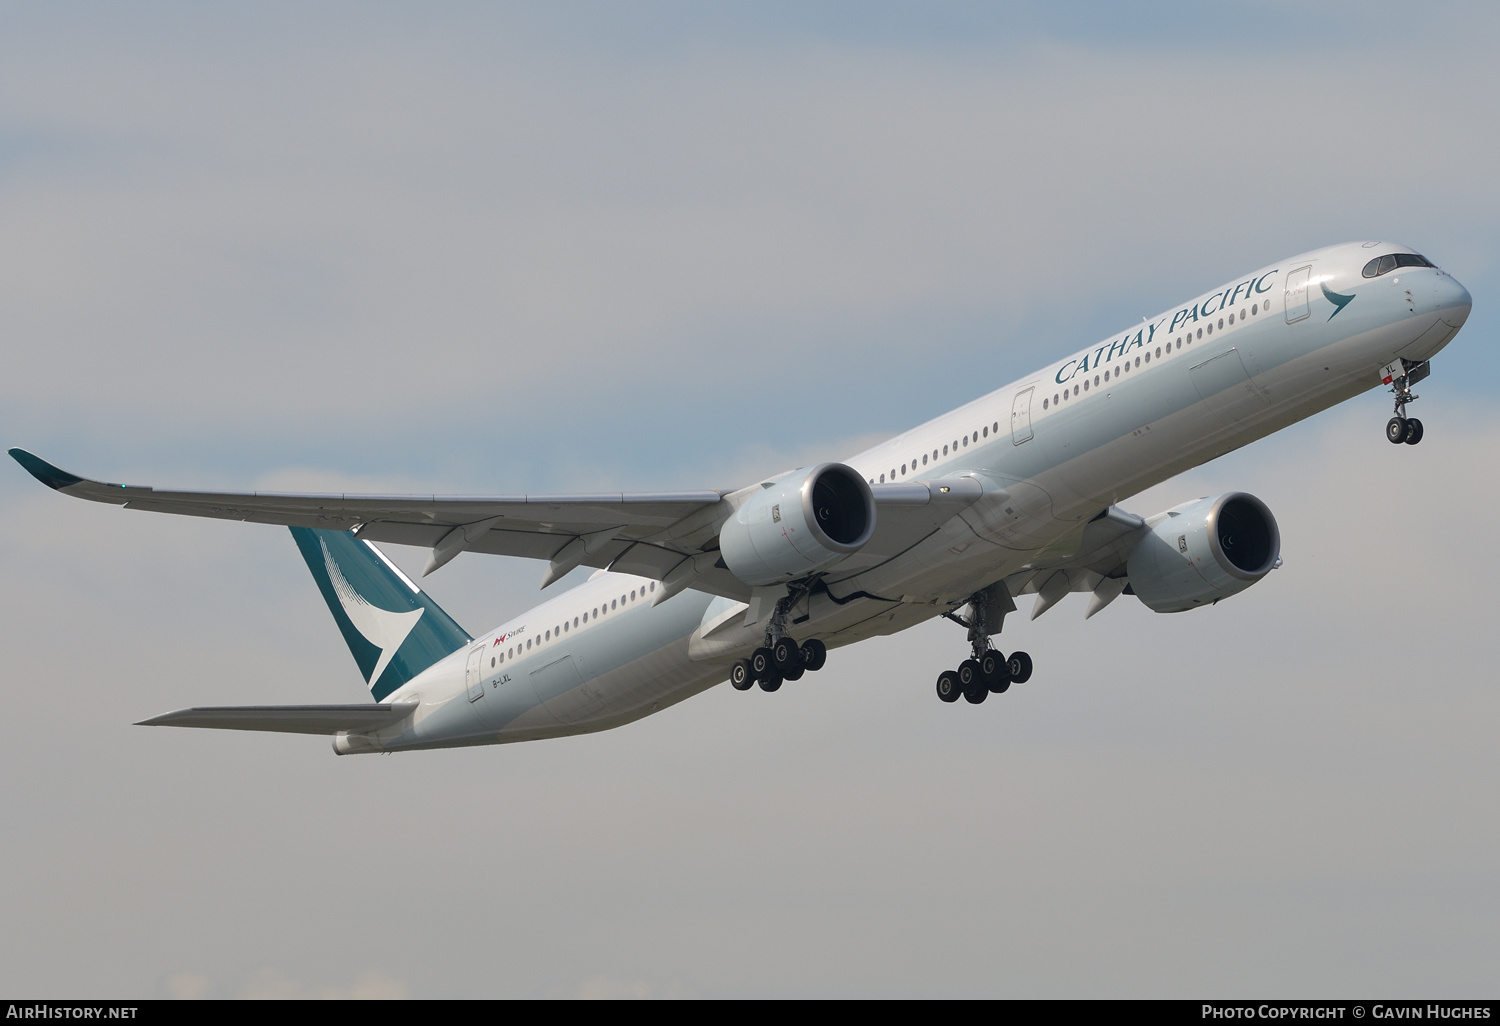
803,523
1203,552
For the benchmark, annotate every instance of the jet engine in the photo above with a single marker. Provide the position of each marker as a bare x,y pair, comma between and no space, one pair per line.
805,522
1204,551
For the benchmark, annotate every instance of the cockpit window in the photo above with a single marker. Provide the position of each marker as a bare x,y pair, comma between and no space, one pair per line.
1381,265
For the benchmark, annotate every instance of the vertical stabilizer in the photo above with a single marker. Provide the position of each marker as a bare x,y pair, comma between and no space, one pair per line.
394,631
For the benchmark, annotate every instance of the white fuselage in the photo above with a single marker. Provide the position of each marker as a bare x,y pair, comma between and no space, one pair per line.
1051,451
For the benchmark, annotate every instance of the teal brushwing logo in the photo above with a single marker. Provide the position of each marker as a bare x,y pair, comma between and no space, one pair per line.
393,630
384,628
1338,299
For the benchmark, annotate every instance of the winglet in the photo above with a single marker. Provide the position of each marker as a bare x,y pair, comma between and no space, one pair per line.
46,473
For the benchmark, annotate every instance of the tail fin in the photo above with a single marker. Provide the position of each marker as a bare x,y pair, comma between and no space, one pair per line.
393,630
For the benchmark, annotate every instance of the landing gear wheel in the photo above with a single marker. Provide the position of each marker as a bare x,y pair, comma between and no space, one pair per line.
976,691
969,675
998,678
947,686
1019,667
770,683
795,674
1413,431
786,656
814,654
761,666
1395,430
741,676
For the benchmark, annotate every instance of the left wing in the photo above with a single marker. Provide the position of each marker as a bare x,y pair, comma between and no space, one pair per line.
672,537
648,533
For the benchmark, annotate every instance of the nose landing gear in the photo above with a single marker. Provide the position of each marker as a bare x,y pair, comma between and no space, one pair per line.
1401,375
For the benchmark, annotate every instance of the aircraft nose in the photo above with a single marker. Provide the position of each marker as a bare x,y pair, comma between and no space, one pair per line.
1453,300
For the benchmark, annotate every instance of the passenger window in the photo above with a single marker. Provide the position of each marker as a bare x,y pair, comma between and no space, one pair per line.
1210,329
1044,404
1158,352
986,432
1148,357
1085,384
1200,332
492,662
996,427
966,441
1254,309
924,459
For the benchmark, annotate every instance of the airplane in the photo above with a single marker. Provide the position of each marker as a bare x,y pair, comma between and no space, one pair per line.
1012,494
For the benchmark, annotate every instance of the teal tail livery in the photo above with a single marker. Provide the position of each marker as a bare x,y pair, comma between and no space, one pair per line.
393,630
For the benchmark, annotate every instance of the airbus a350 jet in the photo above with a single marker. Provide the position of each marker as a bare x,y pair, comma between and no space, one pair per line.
1010,495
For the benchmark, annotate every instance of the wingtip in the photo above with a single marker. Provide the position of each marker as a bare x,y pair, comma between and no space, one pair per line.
46,473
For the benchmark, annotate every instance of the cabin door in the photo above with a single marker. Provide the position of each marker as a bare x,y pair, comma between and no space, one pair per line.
1020,417
1296,294
474,675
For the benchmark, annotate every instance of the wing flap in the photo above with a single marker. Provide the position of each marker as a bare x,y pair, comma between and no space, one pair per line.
288,719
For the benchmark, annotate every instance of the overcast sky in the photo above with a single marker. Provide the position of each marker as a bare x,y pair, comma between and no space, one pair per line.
498,248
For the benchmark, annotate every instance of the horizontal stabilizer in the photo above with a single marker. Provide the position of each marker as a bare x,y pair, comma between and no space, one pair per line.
288,719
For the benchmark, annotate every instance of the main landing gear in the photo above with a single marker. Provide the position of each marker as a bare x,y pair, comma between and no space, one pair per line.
977,679
986,671
1401,375
780,661
781,658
